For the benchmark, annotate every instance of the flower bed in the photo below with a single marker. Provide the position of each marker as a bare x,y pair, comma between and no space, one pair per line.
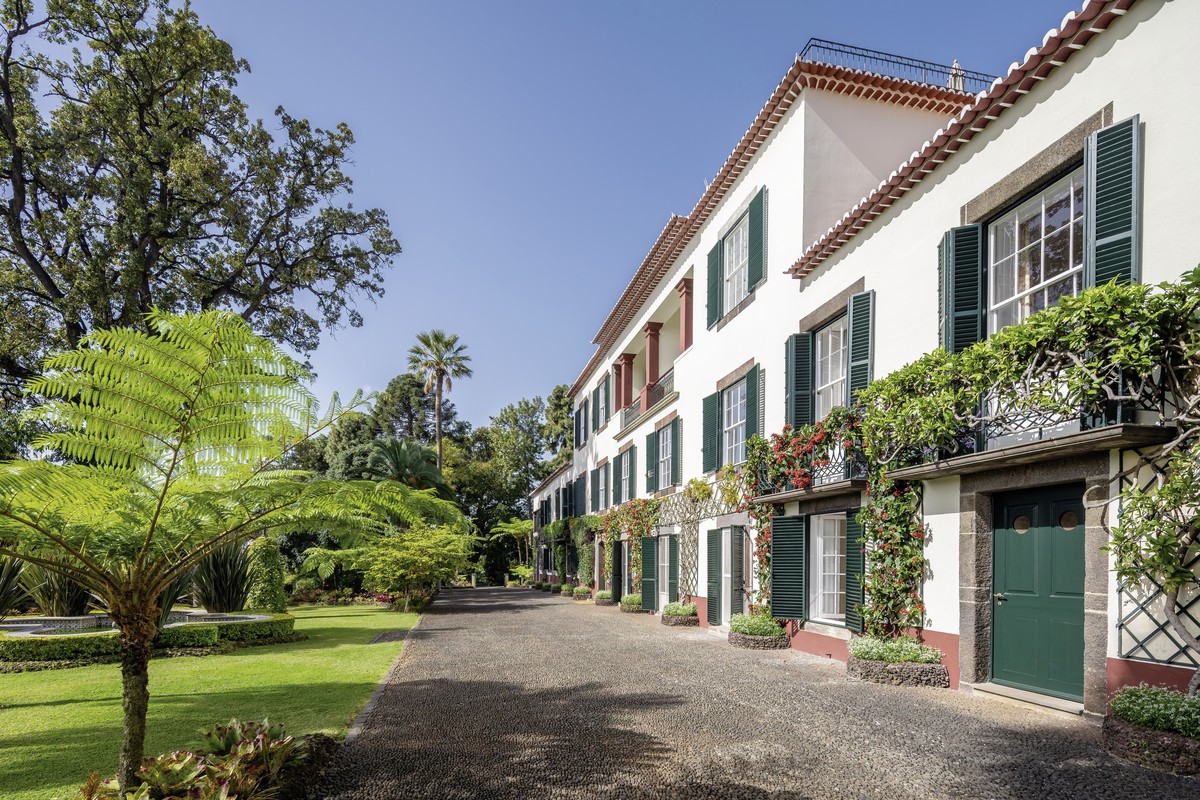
632,604
757,632
903,673
1155,749
680,615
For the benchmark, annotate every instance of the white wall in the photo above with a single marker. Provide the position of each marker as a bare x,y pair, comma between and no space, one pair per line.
940,592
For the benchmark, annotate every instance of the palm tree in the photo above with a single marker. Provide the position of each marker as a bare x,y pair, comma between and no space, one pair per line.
405,461
438,358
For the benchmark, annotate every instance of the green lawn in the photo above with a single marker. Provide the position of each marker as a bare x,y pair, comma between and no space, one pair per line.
57,726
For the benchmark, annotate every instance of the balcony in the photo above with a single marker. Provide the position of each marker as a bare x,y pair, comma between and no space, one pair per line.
946,76
653,397
840,471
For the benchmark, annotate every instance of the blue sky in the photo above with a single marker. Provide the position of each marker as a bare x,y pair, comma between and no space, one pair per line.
528,153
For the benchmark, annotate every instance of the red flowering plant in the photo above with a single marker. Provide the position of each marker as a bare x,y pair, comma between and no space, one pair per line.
638,518
894,537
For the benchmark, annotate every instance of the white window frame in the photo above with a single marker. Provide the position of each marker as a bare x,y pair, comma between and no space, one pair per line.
666,452
827,570
735,263
726,575
829,367
733,423
601,405
1009,302
602,487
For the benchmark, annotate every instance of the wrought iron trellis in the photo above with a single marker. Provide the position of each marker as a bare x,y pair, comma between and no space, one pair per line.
1143,631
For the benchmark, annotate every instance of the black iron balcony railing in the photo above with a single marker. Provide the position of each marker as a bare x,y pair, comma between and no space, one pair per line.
818,470
630,413
894,66
665,385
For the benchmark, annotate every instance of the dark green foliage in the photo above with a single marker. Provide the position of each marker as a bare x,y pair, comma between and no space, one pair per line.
1158,708
195,635
222,580
58,648
279,626
603,594
679,610
555,588
632,600
55,594
11,592
266,574
583,591
175,590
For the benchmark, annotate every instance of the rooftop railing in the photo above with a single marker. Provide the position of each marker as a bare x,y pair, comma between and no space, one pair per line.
947,76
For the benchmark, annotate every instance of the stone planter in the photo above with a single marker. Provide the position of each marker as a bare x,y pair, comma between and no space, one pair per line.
759,642
633,610
680,622
1161,750
605,602
583,597
906,674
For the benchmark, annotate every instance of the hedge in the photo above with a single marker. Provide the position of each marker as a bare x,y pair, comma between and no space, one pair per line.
80,646
197,635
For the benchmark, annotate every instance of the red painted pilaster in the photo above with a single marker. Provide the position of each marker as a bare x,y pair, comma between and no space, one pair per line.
651,330
626,361
685,313
619,390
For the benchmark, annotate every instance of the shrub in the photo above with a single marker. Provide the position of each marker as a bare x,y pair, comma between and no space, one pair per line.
897,651
583,591
11,592
634,600
222,580
279,626
679,610
555,588
513,584
195,635
603,595
755,625
55,594
306,595
536,585
266,576
1158,708
58,648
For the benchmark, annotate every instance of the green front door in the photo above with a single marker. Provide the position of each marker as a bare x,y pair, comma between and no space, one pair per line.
1037,591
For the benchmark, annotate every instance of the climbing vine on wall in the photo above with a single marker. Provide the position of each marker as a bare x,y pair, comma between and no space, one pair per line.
637,518
582,533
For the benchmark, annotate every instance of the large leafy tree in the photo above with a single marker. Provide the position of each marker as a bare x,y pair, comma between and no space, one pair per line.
405,410
439,358
172,441
559,427
134,178
518,440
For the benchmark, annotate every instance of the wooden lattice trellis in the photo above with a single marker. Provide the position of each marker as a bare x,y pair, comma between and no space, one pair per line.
684,510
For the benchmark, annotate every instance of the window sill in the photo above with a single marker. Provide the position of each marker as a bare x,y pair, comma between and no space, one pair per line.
641,418
738,309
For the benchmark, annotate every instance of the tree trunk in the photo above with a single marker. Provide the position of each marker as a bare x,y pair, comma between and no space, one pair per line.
437,420
138,627
1171,600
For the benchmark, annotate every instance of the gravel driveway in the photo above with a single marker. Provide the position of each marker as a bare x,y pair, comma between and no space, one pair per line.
510,693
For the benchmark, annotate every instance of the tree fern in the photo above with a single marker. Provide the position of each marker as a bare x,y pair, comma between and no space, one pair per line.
175,441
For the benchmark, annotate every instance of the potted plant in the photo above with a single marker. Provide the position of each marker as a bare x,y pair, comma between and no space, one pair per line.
757,632
604,598
632,604
555,588
583,593
901,662
1156,727
680,615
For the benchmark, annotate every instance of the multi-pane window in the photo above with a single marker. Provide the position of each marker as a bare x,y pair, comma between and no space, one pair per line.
626,494
602,404
737,264
602,484
828,595
1035,253
665,451
734,427
830,377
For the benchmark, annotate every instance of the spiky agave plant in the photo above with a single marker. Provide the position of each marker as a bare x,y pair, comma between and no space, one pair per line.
174,440
11,590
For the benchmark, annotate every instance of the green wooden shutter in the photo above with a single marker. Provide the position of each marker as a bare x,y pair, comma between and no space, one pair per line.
608,409
616,489
575,421
942,272
714,577
580,503
789,564
860,313
595,490
583,421
758,239
676,452
963,250
798,390
652,462
631,454
672,568
596,408
1113,180
737,539
855,566
753,423
711,442
649,573
714,285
